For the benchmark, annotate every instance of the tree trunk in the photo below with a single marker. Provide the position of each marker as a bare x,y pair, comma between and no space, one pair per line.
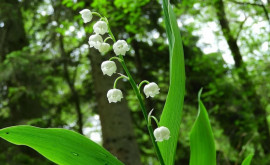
117,130
247,84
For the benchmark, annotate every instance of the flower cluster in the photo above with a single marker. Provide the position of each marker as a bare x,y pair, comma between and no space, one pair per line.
120,49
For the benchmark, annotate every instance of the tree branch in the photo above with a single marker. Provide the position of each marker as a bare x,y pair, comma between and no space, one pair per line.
265,12
245,3
240,28
261,5
74,93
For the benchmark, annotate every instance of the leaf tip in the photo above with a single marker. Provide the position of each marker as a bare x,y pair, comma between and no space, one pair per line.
199,93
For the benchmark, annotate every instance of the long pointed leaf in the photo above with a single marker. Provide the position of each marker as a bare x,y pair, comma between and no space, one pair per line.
61,146
172,112
248,159
202,145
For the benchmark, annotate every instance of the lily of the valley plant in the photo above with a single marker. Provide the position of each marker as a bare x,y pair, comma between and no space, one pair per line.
103,33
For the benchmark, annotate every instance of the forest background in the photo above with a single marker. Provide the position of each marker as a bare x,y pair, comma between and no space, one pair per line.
50,78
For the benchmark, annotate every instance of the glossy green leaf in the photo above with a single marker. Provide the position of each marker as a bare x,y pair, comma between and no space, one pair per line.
61,146
202,144
172,112
248,159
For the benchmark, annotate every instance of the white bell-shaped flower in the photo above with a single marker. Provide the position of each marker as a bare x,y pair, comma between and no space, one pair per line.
95,41
86,15
161,133
151,89
108,67
114,95
100,27
120,47
104,47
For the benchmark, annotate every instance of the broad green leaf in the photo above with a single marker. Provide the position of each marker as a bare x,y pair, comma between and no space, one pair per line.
247,160
172,112
61,146
202,145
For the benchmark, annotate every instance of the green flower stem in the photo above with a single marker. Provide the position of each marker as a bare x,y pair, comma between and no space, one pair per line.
109,29
118,78
156,120
107,38
115,58
144,81
97,14
149,126
137,92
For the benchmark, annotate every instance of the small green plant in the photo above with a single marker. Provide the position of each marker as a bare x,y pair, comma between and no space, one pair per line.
69,148
120,47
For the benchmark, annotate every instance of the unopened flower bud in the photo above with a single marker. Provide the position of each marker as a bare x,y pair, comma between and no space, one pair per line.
108,67
151,89
114,95
95,41
104,47
86,15
120,47
161,133
100,27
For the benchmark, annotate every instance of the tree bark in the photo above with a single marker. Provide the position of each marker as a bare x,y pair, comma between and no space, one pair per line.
117,130
246,82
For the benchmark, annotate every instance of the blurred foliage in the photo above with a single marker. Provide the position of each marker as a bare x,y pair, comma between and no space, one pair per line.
35,89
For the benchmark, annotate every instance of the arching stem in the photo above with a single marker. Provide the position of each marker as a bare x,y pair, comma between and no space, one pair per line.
118,78
107,39
97,14
115,58
143,82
